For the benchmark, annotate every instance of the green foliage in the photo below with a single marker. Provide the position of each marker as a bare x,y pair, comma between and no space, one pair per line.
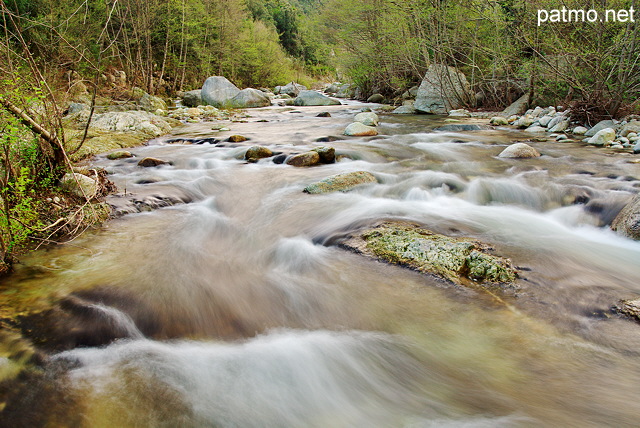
22,218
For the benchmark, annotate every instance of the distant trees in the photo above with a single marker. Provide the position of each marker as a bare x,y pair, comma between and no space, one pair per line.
386,45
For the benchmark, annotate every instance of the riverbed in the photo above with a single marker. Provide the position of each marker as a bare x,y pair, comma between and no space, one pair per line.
237,307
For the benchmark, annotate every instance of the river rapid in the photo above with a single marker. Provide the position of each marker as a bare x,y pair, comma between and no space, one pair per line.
237,309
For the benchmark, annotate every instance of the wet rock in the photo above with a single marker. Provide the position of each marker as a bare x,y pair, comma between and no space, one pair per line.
324,114
519,150
236,139
192,98
328,139
633,127
442,89
358,129
79,185
459,260
217,91
255,153
249,98
313,98
629,308
604,137
327,154
376,98
600,126
524,122
279,159
120,154
498,121
517,107
341,182
304,159
150,162
627,222
636,148
405,109
369,119
579,130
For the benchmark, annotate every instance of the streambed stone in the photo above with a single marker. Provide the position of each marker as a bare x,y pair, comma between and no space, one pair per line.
357,129
304,159
520,151
341,182
627,222
461,261
255,153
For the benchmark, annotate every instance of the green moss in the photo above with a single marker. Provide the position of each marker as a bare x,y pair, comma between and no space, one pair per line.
449,258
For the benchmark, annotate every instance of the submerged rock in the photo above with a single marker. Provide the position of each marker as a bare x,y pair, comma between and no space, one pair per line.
151,162
237,139
455,259
341,182
304,159
519,150
627,222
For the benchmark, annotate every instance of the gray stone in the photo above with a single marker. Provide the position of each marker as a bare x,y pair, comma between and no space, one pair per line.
192,98
358,129
217,91
346,91
327,154
332,88
631,127
249,98
376,98
304,159
131,121
120,154
579,130
292,89
604,137
535,129
524,122
77,107
79,185
443,88
560,126
520,151
369,119
555,121
341,182
459,113
544,120
405,109
313,98
627,222
462,127
636,148
600,126
151,103
498,121
518,107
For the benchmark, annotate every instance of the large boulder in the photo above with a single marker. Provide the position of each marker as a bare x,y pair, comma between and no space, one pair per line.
249,98
151,103
80,185
192,98
357,129
627,222
405,109
367,118
518,107
341,182
346,91
443,88
520,151
458,260
292,89
376,98
313,98
599,127
604,137
632,126
217,91
131,121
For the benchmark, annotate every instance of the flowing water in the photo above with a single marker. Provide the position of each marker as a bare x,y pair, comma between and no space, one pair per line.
237,310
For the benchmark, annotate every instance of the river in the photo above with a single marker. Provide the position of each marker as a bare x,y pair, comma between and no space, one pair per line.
236,309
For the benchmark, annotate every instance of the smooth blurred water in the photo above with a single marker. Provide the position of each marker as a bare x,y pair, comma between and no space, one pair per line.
239,312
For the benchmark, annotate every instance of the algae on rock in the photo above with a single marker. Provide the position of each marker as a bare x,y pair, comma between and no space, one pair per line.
454,259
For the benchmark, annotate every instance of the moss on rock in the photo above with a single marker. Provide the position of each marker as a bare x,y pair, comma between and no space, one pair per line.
340,182
454,259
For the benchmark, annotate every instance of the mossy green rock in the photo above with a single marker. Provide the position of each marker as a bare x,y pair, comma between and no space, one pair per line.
255,153
119,154
455,259
341,182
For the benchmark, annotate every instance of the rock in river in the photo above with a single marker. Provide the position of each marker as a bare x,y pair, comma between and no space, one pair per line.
341,182
367,118
304,159
151,162
313,98
327,154
627,222
357,129
519,150
630,308
458,260
255,153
